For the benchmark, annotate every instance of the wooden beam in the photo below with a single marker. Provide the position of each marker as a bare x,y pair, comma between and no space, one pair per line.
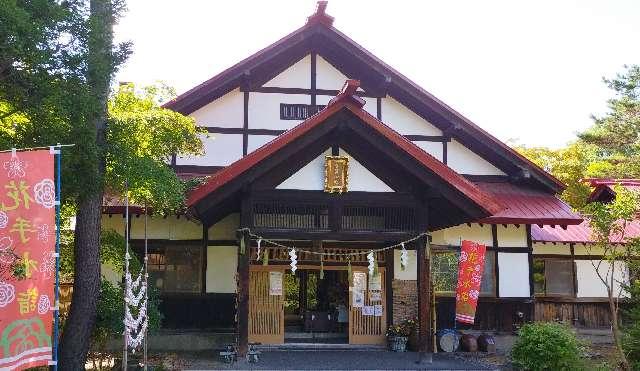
243,276
389,267
424,288
313,77
245,125
494,235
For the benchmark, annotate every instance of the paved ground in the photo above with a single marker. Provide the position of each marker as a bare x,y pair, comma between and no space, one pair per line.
339,360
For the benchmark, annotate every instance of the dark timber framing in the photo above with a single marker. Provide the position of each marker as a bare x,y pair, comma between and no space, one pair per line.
494,236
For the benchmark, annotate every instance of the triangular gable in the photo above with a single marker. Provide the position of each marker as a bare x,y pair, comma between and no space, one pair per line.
454,188
353,60
295,76
311,176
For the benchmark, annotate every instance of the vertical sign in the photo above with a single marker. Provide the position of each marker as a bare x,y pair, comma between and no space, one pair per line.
27,251
470,268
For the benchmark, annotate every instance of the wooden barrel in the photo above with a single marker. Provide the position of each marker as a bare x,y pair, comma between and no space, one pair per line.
448,340
468,343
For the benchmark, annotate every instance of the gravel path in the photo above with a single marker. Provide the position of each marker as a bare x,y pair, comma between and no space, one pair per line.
339,360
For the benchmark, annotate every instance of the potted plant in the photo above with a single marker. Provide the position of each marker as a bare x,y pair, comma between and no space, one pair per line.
397,337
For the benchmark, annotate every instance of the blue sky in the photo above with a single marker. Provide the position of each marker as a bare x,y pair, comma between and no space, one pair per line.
526,71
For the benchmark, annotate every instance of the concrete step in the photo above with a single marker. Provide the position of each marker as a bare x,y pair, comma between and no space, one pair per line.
318,347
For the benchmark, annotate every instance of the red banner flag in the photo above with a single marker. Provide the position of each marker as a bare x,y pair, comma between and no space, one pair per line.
470,268
27,258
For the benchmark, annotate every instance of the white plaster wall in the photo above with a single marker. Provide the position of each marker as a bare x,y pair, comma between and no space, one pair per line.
405,121
311,176
432,148
226,228
514,275
219,150
226,111
222,264
264,110
327,76
549,248
452,235
296,76
257,141
169,228
591,249
411,272
512,236
590,285
464,161
113,222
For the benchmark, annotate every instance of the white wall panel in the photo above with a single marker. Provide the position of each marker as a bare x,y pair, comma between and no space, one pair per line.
226,111
226,228
432,148
370,104
512,236
311,177
219,149
411,271
222,264
452,235
464,161
296,76
169,228
590,285
264,110
257,141
327,76
549,248
114,222
405,121
514,274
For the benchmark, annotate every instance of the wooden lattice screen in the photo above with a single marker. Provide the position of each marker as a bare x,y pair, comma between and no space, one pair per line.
266,312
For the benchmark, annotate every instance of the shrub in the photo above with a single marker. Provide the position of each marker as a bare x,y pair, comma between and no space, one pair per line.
547,346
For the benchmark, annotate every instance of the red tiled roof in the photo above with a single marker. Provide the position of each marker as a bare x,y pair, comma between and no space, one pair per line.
578,233
524,205
347,100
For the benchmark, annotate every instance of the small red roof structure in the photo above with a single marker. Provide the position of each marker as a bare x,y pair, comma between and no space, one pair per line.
525,205
579,233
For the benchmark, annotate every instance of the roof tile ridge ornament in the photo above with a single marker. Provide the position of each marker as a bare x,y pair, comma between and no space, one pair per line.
348,94
320,17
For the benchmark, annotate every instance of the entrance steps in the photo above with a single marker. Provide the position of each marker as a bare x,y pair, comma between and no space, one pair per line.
318,347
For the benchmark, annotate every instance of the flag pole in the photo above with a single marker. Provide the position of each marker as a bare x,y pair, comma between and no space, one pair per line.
57,152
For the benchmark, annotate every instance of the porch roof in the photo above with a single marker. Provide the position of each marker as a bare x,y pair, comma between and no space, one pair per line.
579,233
347,99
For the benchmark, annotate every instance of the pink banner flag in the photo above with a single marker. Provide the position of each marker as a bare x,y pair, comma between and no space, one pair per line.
27,258
470,269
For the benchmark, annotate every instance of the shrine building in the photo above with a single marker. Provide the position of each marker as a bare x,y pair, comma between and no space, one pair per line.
317,144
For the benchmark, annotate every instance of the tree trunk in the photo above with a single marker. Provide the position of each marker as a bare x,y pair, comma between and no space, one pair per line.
76,337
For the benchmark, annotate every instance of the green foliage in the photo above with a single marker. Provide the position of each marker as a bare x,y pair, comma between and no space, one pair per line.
608,220
617,133
569,165
141,139
631,329
547,346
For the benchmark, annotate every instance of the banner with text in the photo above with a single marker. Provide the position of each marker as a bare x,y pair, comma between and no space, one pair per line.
27,258
470,269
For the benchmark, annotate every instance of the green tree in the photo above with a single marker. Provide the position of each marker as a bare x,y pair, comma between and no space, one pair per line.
570,165
608,223
617,133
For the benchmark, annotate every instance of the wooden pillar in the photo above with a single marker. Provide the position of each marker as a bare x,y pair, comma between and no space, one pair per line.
424,294
388,274
243,292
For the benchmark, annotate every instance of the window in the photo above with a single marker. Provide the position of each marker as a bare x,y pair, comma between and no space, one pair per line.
176,268
298,111
444,269
553,277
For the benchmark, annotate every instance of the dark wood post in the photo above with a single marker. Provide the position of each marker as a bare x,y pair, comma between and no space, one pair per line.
243,292
424,295
389,273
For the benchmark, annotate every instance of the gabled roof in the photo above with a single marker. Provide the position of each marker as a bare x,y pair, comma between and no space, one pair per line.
580,233
320,35
347,100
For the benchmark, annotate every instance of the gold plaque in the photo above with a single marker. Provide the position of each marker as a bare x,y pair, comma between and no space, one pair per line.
336,174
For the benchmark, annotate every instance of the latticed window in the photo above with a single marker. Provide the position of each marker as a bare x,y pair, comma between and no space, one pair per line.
444,272
298,111
175,269
553,277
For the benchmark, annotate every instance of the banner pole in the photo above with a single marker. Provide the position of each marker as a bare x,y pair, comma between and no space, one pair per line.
58,154
125,354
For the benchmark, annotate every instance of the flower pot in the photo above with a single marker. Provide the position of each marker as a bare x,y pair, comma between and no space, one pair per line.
397,343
